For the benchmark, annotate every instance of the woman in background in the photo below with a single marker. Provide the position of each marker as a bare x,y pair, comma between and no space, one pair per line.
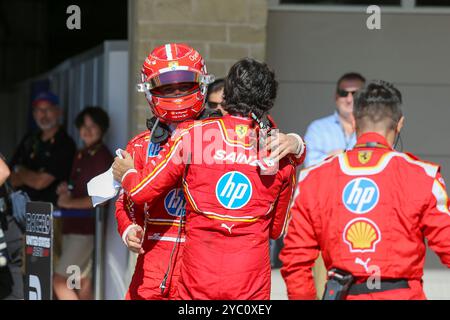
78,220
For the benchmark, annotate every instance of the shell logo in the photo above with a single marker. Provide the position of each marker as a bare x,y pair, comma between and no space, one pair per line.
362,235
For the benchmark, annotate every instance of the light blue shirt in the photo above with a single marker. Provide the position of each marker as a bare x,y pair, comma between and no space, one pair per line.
325,135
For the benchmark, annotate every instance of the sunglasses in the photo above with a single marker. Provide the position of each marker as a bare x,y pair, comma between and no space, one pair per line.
344,93
213,105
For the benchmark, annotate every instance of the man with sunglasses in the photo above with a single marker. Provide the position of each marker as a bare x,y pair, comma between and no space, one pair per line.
333,134
214,99
174,80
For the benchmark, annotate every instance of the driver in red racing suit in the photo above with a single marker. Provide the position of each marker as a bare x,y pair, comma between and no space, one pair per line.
368,210
164,232
174,80
232,208
157,269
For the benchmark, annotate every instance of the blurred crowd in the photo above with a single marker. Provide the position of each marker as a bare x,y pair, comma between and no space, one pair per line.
47,167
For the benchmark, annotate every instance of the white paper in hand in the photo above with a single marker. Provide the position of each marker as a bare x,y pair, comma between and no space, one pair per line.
103,187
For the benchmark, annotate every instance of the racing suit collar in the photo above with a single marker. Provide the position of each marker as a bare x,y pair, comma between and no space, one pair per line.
372,137
238,117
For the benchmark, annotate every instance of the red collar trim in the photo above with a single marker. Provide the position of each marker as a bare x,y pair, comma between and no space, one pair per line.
372,137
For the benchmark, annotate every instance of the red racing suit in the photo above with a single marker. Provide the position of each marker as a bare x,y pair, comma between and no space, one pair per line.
369,211
231,211
164,232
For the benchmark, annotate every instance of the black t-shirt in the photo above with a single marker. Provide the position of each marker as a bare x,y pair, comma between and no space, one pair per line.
53,156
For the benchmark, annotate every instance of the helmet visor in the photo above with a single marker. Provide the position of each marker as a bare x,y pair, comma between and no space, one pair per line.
176,76
175,90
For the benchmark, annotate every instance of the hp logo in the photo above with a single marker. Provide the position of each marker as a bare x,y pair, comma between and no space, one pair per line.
360,195
233,190
153,149
175,203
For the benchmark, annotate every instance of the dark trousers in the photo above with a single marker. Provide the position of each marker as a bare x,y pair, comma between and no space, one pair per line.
275,248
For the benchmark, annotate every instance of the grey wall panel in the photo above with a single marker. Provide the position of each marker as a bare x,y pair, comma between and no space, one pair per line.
300,102
427,112
117,102
89,78
75,97
100,81
320,46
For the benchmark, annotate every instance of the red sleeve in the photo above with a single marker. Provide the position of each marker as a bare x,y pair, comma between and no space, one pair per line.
281,210
300,250
435,223
128,212
146,185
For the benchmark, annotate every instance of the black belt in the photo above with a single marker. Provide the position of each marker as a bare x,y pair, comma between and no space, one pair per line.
385,285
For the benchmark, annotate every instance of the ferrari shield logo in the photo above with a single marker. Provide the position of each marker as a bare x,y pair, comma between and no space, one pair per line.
173,64
364,156
241,130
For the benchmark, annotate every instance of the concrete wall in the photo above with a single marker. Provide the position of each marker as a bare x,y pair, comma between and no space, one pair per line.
310,50
222,31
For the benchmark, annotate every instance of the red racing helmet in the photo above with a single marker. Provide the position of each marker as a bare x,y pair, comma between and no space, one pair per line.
175,81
